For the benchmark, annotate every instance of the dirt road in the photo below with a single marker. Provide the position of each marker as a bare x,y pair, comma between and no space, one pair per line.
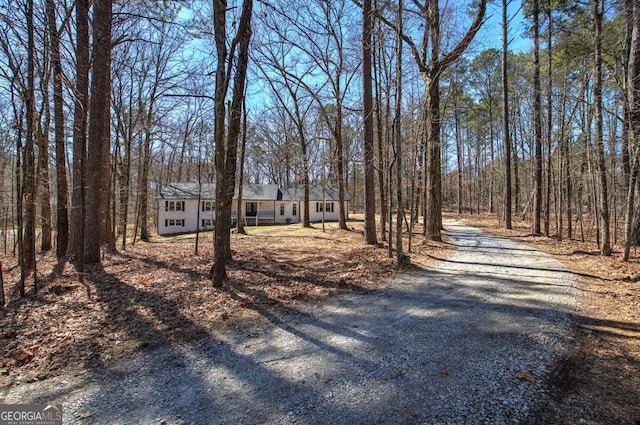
470,340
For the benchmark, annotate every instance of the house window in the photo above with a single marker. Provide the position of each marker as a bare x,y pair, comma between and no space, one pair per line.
282,209
294,209
207,206
251,209
173,222
207,222
328,207
174,205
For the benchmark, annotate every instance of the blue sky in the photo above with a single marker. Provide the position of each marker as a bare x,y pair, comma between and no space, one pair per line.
490,36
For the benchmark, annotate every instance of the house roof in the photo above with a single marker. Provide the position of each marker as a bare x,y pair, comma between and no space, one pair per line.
260,192
187,191
250,191
315,193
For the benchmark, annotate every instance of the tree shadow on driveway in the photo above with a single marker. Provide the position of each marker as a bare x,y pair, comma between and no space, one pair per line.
436,345
188,374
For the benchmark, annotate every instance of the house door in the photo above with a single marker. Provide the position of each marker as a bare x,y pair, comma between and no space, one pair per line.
251,209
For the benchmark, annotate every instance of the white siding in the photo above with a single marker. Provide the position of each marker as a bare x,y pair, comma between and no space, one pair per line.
315,213
172,222
189,215
287,208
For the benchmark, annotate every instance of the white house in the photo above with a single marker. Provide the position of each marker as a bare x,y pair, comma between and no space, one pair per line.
186,207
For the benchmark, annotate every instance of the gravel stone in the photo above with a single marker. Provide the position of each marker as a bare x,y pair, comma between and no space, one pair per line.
471,339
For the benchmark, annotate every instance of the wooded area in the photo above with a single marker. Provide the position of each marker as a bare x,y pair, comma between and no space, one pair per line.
409,107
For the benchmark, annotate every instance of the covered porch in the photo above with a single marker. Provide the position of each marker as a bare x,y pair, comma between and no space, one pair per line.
254,213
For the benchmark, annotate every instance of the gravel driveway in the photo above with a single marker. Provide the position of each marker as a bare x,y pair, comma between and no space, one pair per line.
469,340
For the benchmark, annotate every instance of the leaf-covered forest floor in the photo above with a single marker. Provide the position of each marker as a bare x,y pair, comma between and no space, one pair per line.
601,371
159,293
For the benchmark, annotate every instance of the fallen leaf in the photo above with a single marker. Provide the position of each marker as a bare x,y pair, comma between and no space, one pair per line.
24,356
85,415
525,376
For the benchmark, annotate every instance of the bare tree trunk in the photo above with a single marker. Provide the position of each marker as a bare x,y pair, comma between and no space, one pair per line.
62,191
98,161
605,247
2,300
243,150
342,220
159,66
412,190
516,171
629,13
198,206
562,141
459,154
431,67
569,211
491,169
143,185
227,148
221,245
628,218
125,183
505,118
433,219
424,175
77,228
547,195
113,204
136,221
380,145
43,187
306,220
221,239
28,185
537,112
42,127
633,116
18,116
389,218
400,257
367,96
